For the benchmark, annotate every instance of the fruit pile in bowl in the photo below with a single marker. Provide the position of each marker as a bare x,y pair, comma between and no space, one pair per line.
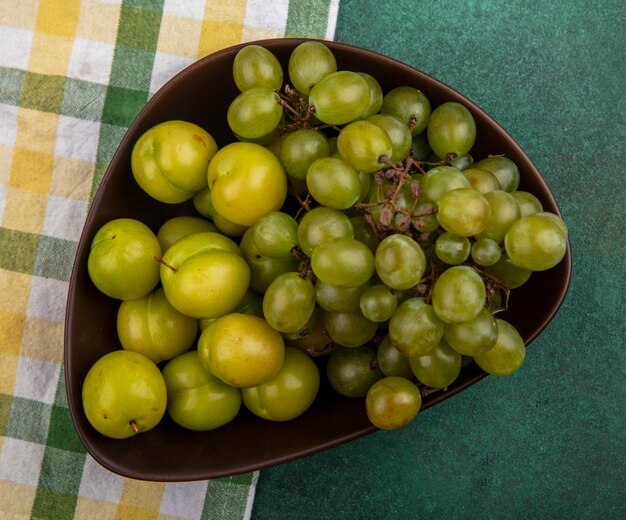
298,243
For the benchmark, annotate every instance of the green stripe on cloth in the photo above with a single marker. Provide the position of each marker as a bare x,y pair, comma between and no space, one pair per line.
304,18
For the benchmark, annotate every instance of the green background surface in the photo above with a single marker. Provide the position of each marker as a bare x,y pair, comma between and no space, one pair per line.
547,442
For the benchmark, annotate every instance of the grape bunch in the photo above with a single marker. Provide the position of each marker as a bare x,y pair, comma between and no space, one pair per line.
346,223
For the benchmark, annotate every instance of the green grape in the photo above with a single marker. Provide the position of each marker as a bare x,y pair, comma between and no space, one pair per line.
333,183
378,303
486,252
364,232
321,224
275,234
343,262
420,147
392,402
535,242
300,149
264,269
254,113
439,368
439,180
349,329
414,328
365,181
472,337
397,131
255,66
405,103
362,144
310,62
391,361
481,180
504,169
451,129
289,302
557,220
376,95
452,249
400,261
276,144
352,371
332,144
510,274
528,203
426,219
458,294
504,211
463,162
338,299
463,212
340,97
507,354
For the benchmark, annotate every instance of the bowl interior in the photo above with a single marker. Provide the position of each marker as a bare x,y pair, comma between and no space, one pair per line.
201,94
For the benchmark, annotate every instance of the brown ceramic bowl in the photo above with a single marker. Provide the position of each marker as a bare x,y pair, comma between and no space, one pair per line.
201,94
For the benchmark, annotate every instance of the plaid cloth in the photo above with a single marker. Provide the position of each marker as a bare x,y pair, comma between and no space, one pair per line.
73,75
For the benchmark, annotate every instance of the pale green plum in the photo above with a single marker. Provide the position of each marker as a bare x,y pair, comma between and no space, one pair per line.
242,350
124,394
204,275
289,393
122,262
169,161
176,228
196,399
152,327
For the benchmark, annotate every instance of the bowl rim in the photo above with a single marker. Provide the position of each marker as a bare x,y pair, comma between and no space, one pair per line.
138,121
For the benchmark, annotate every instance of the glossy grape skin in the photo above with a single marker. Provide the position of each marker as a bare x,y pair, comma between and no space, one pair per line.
458,294
504,212
391,361
376,95
254,113
481,180
255,66
439,368
463,212
556,220
362,143
378,303
504,169
352,371
349,329
289,302
406,102
397,131
363,232
400,262
507,354
451,129
275,234
452,249
440,180
473,337
300,149
321,224
310,62
420,147
333,183
392,402
485,252
338,299
535,243
528,203
343,262
340,97
510,274
414,328
462,162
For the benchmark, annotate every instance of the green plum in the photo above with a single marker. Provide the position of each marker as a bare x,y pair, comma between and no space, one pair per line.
122,262
169,161
176,228
124,394
196,399
152,327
